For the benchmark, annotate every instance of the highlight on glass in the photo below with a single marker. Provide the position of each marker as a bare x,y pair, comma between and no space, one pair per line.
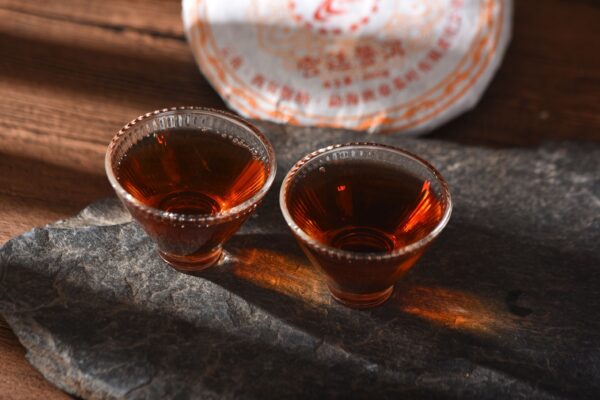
364,213
190,177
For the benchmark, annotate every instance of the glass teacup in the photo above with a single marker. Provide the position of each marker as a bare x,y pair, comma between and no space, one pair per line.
190,177
364,213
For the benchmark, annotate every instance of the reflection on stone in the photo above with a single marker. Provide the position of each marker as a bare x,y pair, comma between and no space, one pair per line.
453,309
282,273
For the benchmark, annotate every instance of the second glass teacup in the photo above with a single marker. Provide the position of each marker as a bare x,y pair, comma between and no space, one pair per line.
190,176
364,213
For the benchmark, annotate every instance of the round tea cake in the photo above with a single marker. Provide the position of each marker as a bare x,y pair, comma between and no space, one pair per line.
373,65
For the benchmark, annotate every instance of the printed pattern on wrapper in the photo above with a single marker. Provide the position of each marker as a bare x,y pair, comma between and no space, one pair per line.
374,65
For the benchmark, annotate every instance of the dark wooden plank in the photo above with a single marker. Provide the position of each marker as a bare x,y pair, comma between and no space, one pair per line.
118,71
68,91
549,83
158,17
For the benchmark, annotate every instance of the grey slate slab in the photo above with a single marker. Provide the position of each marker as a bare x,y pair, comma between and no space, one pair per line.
505,304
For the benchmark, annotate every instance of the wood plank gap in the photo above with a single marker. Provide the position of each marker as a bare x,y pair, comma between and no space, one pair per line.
118,28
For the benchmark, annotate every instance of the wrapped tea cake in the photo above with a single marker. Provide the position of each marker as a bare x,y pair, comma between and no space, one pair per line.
374,65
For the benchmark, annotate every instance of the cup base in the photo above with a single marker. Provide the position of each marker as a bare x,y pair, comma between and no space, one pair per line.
362,300
192,263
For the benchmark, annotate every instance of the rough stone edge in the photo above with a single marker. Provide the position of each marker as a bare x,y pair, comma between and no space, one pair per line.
51,362
104,212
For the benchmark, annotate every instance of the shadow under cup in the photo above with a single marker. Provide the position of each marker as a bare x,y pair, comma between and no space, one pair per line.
364,213
190,177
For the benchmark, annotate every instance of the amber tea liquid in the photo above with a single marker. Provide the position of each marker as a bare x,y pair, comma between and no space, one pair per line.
363,206
191,171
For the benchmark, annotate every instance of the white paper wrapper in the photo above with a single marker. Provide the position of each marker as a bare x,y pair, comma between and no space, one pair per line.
373,65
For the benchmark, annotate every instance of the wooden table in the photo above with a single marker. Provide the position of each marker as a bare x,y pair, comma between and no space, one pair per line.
73,72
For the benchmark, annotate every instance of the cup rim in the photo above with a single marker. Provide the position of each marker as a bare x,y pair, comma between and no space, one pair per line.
222,216
324,248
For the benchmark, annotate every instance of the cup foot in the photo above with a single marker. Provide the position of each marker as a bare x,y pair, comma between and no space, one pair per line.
363,300
192,263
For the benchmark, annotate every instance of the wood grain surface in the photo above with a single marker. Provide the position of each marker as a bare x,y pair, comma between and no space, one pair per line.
73,72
